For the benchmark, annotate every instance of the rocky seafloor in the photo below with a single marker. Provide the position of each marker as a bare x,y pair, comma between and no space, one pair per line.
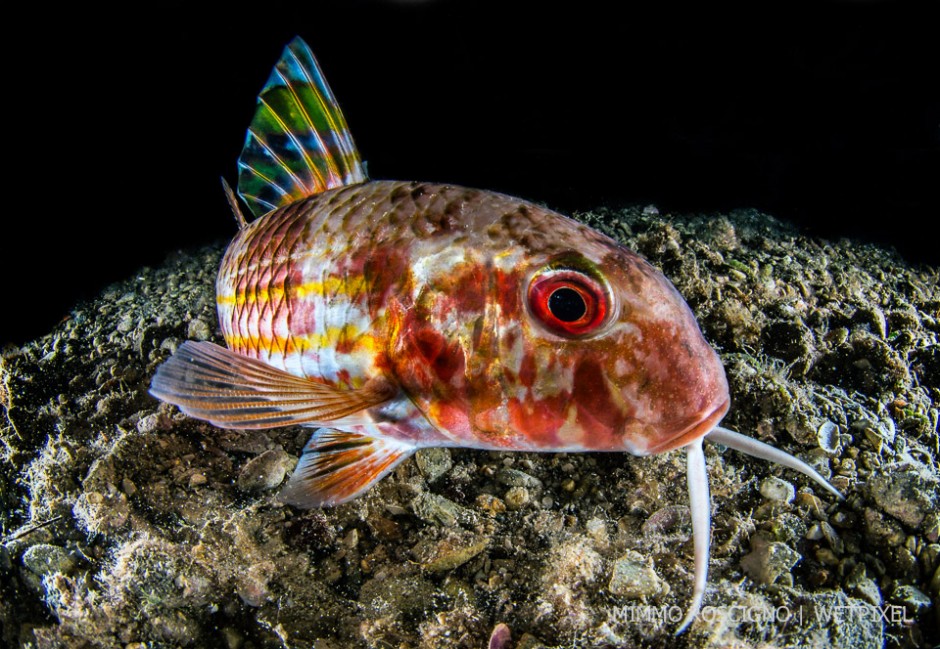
126,524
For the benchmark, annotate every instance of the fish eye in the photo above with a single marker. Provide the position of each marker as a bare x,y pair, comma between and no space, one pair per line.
569,303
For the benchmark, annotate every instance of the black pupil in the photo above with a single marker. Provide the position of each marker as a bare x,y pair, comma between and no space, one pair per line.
566,304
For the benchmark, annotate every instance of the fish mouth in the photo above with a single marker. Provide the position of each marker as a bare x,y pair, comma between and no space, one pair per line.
695,431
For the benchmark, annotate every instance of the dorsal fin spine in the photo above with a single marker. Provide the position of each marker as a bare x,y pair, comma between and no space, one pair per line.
233,204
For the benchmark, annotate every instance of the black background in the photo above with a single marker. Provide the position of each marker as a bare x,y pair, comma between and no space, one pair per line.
119,124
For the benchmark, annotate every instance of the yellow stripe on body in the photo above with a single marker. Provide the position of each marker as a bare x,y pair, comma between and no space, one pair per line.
332,286
359,341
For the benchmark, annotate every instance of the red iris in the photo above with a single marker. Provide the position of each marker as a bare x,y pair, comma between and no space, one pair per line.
568,302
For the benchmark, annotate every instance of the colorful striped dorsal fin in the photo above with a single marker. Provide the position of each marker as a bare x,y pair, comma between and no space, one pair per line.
298,143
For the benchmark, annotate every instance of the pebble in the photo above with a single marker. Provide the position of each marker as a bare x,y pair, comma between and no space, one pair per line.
265,471
517,478
517,498
529,641
438,510
768,560
434,462
932,527
912,599
905,562
827,557
930,556
454,550
384,528
867,590
827,435
883,530
103,512
785,527
597,530
490,504
198,330
128,487
633,577
500,637
823,530
44,559
813,503
252,584
176,629
845,520
667,520
153,423
403,593
126,323
863,586
777,490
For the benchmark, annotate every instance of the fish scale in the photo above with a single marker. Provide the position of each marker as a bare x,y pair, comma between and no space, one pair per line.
397,315
271,302
254,284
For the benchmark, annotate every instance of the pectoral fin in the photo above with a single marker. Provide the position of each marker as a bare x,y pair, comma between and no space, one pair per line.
229,390
338,466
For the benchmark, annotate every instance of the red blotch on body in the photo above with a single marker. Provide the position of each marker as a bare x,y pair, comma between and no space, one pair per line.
527,370
538,420
451,417
343,377
386,271
428,366
444,358
508,293
598,414
467,293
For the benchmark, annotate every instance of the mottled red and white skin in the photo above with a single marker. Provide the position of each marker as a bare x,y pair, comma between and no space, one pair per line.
401,315
437,290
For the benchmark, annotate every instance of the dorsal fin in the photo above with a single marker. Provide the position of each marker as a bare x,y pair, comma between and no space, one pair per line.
298,143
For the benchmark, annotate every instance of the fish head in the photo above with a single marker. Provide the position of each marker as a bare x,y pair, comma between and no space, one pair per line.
611,336
538,332
610,355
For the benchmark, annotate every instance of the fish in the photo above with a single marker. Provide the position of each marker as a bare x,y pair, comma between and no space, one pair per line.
397,315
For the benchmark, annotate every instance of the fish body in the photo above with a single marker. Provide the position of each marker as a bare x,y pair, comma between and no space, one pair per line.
435,288
395,315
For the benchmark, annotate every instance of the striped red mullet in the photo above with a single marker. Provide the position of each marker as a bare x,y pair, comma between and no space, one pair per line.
399,315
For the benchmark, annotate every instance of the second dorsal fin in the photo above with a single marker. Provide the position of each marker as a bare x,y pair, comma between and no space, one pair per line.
298,143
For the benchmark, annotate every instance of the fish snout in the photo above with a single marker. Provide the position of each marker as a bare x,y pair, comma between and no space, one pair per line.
673,437
689,399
